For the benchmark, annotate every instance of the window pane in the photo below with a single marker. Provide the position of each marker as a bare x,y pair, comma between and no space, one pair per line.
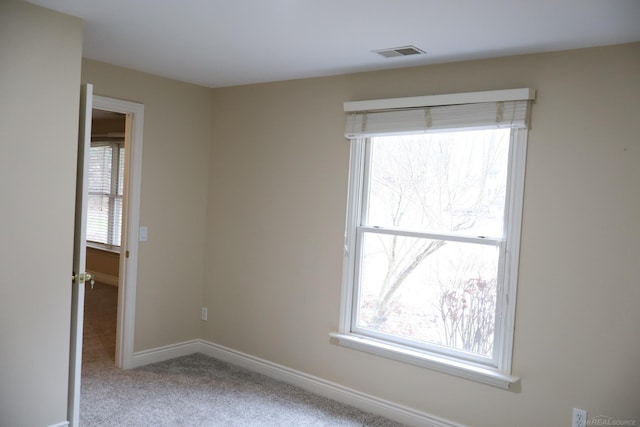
430,291
98,218
121,170
446,182
100,169
117,222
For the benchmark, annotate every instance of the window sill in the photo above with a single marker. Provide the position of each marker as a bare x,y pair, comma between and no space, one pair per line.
104,248
460,369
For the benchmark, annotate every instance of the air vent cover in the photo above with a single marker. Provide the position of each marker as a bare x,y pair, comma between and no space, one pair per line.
395,52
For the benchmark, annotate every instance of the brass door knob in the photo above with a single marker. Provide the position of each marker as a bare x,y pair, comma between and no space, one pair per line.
83,277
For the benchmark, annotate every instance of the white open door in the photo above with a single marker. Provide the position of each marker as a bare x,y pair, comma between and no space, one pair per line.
79,276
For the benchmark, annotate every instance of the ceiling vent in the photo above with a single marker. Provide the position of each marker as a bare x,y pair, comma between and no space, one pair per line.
396,52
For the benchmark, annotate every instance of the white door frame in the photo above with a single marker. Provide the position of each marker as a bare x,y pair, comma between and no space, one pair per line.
127,278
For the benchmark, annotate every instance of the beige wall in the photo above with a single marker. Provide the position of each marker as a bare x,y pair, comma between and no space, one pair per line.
40,53
175,154
105,263
108,123
277,193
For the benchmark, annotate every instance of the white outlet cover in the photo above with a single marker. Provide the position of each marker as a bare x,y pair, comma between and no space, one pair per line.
579,418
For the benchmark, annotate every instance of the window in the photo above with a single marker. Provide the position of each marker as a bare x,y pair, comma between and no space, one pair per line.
106,185
433,225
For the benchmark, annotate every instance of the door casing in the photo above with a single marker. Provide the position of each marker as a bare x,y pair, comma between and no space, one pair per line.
127,278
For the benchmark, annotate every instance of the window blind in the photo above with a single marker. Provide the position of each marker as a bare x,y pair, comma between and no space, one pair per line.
106,178
383,121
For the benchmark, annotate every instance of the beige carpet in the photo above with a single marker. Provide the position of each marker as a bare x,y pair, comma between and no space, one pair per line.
194,390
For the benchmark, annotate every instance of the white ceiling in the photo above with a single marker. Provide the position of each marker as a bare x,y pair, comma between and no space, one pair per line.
219,43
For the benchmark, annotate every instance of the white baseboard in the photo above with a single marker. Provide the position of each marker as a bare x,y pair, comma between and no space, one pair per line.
104,278
160,354
62,424
365,402
325,388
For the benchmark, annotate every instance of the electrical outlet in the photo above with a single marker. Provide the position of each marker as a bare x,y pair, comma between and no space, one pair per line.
203,313
579,418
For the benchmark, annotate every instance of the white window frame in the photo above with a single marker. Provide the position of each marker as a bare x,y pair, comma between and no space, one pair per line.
497,370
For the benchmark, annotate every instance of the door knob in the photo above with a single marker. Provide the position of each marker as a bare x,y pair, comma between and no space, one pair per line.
83,277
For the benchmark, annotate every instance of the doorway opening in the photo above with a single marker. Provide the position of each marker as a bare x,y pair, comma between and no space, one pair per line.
106,198
112,246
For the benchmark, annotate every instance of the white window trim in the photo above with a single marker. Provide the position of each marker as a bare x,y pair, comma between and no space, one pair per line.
103,247
500,374
437,100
